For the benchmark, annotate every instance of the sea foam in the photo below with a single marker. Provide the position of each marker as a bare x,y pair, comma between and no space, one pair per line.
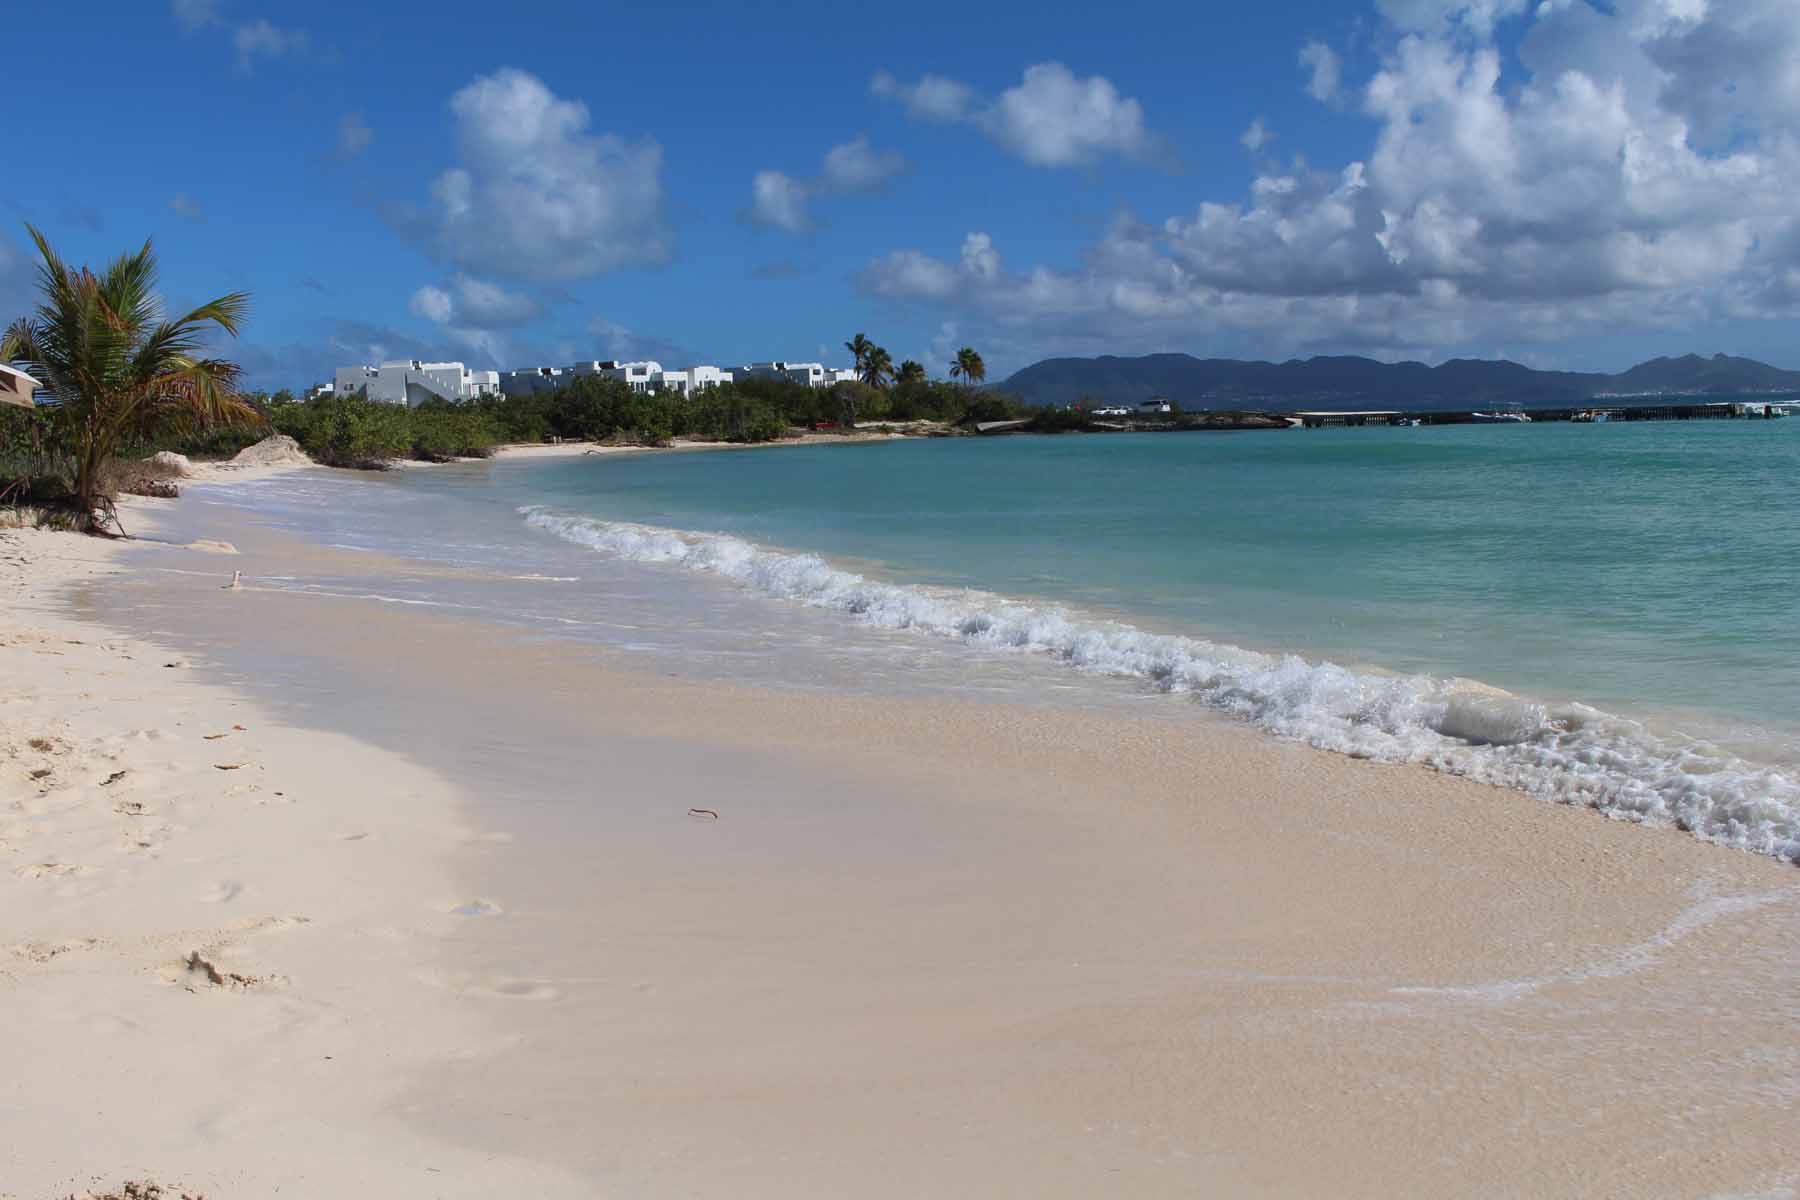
1569,753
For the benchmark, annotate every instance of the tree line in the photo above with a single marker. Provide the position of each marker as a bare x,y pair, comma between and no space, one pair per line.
354,431
128,380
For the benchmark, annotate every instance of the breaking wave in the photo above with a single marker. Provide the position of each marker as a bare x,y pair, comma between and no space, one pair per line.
1569,753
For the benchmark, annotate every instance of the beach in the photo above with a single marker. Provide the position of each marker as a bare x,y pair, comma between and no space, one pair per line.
400,899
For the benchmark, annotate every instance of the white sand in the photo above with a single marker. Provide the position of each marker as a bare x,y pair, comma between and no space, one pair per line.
313,877
927,949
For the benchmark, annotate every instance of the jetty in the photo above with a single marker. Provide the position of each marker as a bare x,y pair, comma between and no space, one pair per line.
1716,410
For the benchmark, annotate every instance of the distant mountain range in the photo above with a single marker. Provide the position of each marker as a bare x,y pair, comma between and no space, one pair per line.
1350,383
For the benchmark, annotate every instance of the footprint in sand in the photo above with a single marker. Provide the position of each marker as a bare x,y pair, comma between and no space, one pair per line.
50,870
477,908
517,989
43,952
223,892
501,988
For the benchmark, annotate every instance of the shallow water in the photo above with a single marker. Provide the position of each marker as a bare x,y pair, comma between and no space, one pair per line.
1633,585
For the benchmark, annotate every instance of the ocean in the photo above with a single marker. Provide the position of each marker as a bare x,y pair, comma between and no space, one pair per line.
1600,615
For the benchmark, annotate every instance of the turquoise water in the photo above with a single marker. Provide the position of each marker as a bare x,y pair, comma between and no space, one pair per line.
1600,615
1636,567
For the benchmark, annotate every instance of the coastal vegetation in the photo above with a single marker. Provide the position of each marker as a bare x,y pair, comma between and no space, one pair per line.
121,371
351,431
127,383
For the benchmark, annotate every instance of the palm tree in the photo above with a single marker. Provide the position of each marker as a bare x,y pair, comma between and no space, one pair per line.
859,347
117,368
911,372
877,366
969,366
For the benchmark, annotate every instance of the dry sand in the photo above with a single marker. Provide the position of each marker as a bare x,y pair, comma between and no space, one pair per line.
217,931
926,948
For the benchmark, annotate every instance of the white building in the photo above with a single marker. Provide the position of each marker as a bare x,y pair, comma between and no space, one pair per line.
641,376
811,374
841,375
412,382
320,389
531,380
1154,407
16,387
692,379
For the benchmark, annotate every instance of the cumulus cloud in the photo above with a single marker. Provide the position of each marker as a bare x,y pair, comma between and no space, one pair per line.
472,303
1257,136
434,304
536,197
260,37
1325,71
781,201
354,136
932,98
1051,118
1631,167
778,200
856,166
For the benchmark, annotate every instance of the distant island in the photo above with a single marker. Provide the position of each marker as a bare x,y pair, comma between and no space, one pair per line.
1351,383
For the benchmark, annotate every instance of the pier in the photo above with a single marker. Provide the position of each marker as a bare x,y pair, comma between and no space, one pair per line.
1721,410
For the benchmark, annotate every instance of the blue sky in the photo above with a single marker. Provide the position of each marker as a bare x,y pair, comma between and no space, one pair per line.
1560,183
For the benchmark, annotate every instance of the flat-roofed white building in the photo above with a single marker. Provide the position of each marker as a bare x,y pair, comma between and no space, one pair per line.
412,382
528,381
640,376
841,375
692,379
811,374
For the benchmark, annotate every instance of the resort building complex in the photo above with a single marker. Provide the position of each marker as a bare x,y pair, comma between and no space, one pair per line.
410,381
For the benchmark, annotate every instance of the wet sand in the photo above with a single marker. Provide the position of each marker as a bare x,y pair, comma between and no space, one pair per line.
927,947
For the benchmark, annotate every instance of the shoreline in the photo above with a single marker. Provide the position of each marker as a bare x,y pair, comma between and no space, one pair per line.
216,945
1060,952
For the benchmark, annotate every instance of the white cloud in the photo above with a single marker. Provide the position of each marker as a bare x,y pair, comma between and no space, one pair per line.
1632,168
262,37
1051,118
354,135
537,197
932,98
434,304
194,15
781,201
778,200
1325,71
857,166
1257,136
910,275
185,206
473,303
1054,119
